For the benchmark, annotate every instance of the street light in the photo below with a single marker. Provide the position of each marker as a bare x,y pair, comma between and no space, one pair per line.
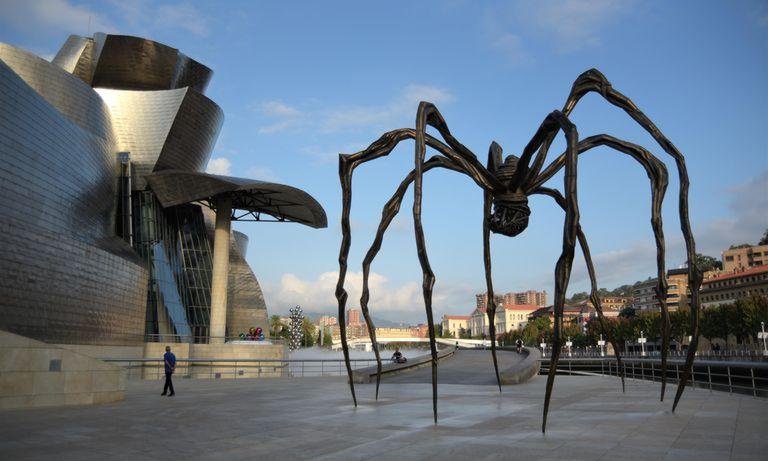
543,349
642,340
763,335
569,344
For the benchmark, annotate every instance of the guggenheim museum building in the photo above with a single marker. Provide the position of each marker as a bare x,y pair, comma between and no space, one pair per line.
110,231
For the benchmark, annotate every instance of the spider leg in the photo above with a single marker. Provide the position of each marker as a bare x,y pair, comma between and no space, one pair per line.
657,173
347,164
388,213
428,114
494,160
555,194
553,123
428,281
593,80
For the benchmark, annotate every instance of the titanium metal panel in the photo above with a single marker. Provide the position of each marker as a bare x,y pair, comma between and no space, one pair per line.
283,202
64,277
142,121
71,52
241,242
68,94
193,134
170,129
136,63
53,174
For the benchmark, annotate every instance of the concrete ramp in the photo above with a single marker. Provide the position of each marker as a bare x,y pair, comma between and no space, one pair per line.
460,367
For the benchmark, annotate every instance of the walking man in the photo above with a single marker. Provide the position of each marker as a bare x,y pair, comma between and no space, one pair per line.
170,366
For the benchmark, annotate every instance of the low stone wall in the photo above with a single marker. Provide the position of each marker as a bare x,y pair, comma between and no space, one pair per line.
524,370
36,374
368,375
197,354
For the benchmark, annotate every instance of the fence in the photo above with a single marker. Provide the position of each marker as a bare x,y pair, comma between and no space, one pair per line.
163,338
730,354
741,378
239,368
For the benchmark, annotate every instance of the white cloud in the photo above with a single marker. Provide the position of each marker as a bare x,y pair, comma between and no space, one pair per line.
749,208
396,112
575,24
282,117
511,45
615,268
568,25
748,221
396,303
399,111
262,173
51,15
220,165
182,15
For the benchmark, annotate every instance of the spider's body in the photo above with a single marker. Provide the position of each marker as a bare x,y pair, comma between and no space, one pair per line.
510,204
506,186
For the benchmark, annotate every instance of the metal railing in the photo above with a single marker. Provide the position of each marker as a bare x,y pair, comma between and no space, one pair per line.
740,378
171,339
730,354
238,368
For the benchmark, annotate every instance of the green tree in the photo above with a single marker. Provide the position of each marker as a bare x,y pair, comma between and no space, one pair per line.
756,311
706,263
735,320
680,321
627,312
308,333
649,323
275,325
327,338
464,333
713,324
530,334
764,240
576,297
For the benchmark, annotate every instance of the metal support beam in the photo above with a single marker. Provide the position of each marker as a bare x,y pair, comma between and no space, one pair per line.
220,274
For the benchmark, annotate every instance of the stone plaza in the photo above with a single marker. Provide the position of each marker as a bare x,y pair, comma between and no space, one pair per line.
314,418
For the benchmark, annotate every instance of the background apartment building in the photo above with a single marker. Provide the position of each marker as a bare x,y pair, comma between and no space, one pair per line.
744,257
454,323
644,295
537,298
727,288
510,318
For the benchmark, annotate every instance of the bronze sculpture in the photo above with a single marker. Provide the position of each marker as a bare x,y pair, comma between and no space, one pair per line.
506,186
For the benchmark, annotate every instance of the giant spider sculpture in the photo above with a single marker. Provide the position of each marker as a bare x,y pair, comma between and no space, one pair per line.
506,187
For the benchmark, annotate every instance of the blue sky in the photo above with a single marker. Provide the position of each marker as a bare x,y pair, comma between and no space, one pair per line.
301,82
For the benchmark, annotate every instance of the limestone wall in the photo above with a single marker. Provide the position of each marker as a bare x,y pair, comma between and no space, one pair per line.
256,350
36,374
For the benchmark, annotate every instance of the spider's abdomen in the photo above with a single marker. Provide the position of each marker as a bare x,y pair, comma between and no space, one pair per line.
510,214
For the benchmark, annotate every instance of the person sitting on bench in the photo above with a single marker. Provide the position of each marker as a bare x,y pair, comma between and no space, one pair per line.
398,356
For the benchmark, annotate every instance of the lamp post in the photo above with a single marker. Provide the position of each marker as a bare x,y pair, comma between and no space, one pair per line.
763,335
601,343
569,344
543,349
642,340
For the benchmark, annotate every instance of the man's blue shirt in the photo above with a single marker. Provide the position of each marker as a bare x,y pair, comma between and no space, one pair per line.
170,362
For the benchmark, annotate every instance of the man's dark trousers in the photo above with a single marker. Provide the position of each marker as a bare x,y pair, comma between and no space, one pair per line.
168,383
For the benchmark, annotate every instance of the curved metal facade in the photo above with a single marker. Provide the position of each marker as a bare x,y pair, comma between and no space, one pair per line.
88,252
64,277
131,63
